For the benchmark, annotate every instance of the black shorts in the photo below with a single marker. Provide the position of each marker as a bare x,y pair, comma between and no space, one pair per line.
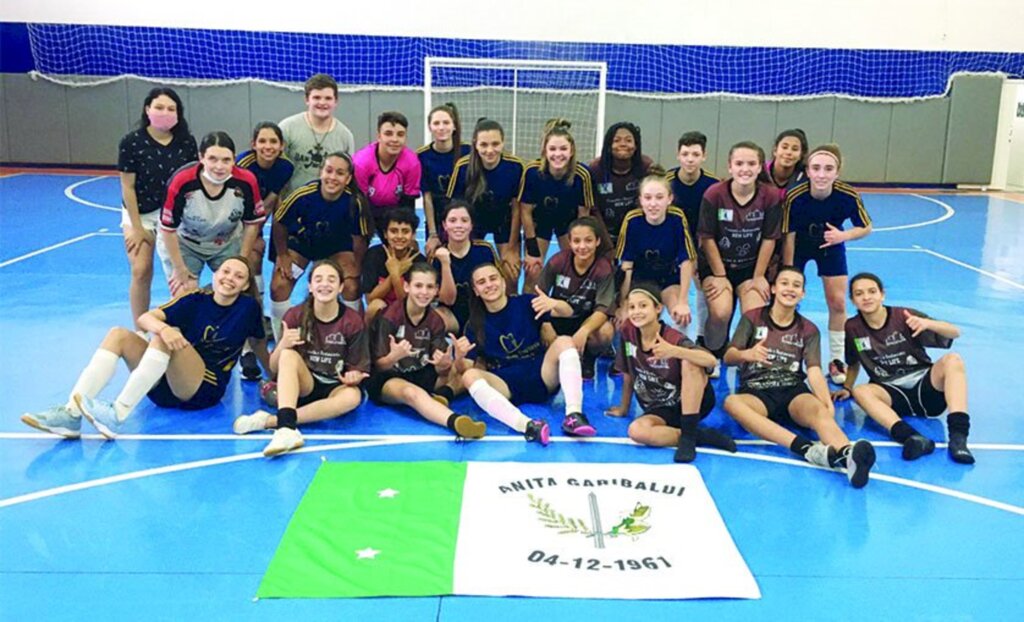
425,378
830,261
922,399
664,280
673,413
500,225
735,276
321,390
551,221
776,401
207,395
567,325
524,380
325,248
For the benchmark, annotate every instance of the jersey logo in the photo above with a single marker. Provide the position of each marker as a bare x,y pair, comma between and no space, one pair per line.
509,343
400,333
335,339
724,243
755,215
630,350
862,343
895,339
562,281
761,333
793,340
605,188
724,214
657,363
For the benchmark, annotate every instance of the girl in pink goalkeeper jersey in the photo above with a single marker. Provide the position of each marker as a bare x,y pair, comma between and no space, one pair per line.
387,171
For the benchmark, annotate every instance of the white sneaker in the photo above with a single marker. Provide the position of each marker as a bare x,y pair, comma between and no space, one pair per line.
817,454
716,371
284,440
256,422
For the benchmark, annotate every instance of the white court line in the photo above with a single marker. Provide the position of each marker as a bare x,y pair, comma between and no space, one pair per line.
11,175
263,438
69,192
52,247
945,216
199,464
928,251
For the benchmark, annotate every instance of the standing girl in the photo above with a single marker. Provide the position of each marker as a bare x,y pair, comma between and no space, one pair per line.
616,174
195,342
319,361
812,221
555,190
488,179
786,168
437,159
387,171
146,159
503,361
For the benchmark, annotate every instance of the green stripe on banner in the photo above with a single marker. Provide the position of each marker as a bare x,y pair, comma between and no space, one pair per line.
372,528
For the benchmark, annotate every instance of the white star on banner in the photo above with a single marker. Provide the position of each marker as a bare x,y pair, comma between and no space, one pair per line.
367,553
387,493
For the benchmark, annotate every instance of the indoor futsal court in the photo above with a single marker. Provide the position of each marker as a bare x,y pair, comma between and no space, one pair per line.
178,519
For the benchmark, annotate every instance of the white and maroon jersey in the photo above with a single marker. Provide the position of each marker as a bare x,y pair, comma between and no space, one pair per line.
594,290
891,353
739,229
338,346
657,382
208,222
788,347
425,337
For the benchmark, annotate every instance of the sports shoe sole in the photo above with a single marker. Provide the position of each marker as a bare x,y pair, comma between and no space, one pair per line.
271,452
581,430
104,430
31,421
863,456
466,427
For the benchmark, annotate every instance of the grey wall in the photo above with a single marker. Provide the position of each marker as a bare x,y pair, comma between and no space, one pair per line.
947,140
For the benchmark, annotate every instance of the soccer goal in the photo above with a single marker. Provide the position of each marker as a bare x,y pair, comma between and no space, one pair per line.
521,95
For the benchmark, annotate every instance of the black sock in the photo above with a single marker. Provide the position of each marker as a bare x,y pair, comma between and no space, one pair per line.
445,392
837,459
287,418
686,450
958,423
451,421
901,431
800,445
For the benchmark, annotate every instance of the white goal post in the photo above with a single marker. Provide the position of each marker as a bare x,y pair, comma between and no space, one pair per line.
521,95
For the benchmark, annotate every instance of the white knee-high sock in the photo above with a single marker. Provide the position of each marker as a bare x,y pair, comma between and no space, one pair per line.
259,285
277,311
143,378
94,377
702,311
570,375
836,345
497,405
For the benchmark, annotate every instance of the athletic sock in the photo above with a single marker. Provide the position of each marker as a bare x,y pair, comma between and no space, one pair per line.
94,377
287,418
901,431
259,285
450,424
144,377
702,313
570,375
800,445
686,450
836,345
497,405
277,311
958,423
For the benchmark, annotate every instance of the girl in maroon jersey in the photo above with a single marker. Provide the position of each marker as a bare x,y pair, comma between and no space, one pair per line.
890,342
666,372
320,360
771,345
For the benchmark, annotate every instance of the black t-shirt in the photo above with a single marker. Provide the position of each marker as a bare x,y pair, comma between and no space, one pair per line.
153,164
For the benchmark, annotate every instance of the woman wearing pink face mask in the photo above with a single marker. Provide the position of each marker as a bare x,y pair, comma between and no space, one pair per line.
147,157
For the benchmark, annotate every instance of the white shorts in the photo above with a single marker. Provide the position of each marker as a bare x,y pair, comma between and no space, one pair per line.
150,221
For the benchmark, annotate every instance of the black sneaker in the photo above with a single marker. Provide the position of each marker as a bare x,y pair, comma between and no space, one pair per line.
958,449
538,430
859,461
467,427
576,424
251,367
588,366
916,446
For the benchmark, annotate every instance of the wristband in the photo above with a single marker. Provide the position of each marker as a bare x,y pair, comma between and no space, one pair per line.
532,248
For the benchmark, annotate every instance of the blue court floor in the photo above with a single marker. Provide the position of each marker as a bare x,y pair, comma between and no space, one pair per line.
178,519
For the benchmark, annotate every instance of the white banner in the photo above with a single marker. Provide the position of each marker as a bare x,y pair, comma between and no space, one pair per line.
572,530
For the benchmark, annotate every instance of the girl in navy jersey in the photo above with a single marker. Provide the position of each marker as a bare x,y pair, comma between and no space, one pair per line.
319,361
502,360
786,168
812,221
412,357
556,189
321,220
665,370
889,343
438,159
455,262
488,178
273,170
773,346
616,174
213,211
146,159
195,341
584,277
655,245
740,222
